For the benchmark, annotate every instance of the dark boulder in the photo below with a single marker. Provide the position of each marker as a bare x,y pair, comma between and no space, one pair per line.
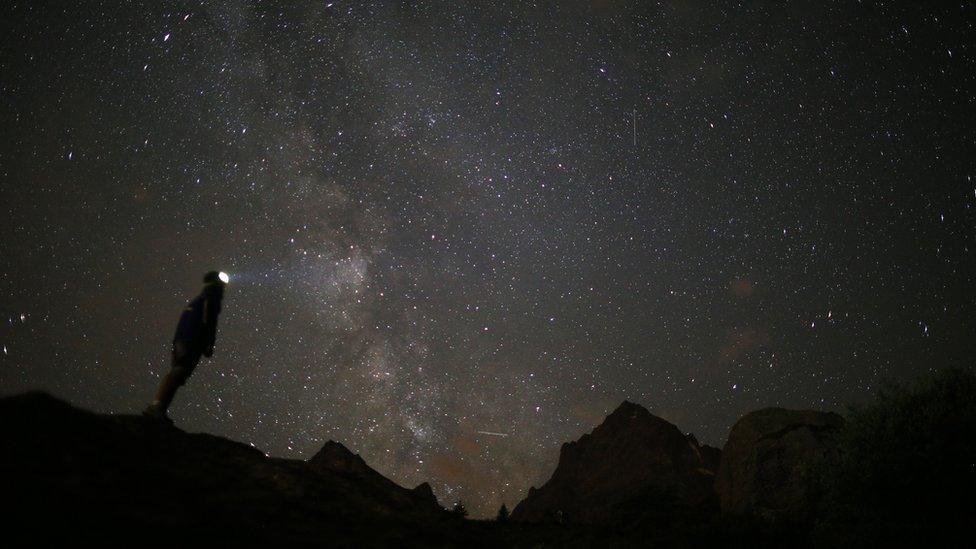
768,463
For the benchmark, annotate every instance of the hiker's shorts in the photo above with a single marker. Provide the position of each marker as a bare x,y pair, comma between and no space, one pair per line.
186,356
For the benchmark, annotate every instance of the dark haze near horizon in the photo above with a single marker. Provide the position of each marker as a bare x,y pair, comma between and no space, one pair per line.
461,233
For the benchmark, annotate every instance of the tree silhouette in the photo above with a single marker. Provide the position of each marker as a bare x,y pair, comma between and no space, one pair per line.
904,471
502,514
459,509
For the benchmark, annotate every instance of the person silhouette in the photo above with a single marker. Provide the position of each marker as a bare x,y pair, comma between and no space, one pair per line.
195,336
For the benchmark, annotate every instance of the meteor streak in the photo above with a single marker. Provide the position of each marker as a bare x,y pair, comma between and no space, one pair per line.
492,434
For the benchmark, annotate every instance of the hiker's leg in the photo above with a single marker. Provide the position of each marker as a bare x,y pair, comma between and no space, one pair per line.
167,388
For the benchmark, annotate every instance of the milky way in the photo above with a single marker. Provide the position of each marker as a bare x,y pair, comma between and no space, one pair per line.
460,233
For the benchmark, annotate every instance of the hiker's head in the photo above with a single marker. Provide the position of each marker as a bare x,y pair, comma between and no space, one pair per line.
216,280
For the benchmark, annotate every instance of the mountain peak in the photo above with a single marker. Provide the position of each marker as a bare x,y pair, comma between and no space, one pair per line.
628,405
336,457
629,417
630,408
631,452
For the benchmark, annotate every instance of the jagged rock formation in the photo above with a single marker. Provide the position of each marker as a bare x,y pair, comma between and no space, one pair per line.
766,463
336,458
110,479
424,491
633,467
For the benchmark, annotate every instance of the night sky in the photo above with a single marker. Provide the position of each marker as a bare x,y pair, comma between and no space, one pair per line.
460,233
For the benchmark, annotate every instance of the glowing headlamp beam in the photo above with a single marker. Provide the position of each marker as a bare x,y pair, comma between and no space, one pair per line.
223,277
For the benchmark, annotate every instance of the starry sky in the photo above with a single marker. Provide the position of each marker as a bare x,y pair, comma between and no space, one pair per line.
460,233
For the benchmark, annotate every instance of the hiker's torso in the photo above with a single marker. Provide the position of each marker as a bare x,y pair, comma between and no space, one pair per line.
192,325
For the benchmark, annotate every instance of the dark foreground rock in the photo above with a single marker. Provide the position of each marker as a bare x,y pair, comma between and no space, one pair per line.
73,475
768,461
898,473
633,469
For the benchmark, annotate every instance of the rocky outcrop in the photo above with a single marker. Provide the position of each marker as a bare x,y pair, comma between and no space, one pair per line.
630,468
766,464
424,491
131,481
337,458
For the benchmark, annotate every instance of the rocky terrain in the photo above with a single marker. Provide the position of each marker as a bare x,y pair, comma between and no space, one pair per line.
80,478
639,474
784,478
77,476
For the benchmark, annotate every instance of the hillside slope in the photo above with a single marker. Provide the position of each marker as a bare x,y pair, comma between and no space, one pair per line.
73,474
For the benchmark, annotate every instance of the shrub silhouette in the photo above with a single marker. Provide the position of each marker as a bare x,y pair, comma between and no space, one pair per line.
459,509
502,514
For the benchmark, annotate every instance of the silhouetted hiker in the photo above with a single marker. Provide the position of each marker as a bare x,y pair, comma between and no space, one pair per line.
195,335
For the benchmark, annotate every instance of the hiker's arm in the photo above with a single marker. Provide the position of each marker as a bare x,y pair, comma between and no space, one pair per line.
210,313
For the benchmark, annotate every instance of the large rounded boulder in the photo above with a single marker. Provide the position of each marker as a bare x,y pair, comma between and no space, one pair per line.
768,463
